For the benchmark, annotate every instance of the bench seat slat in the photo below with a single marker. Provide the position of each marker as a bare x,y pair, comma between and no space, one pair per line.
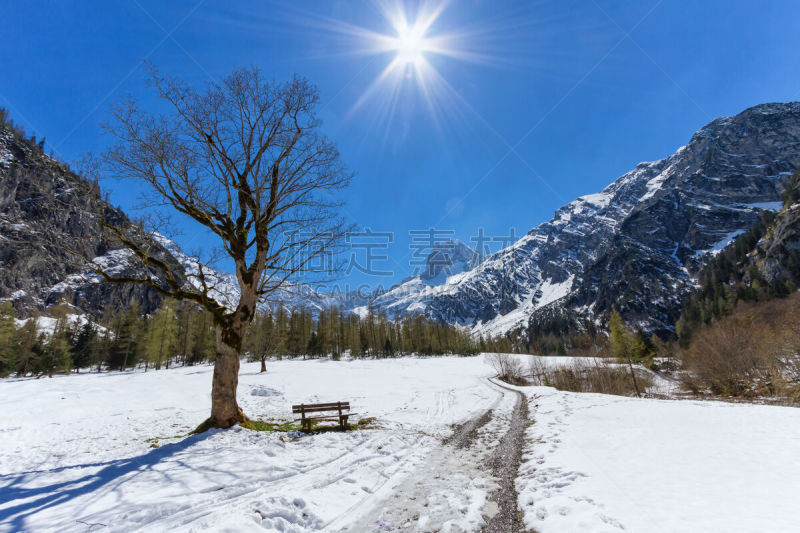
320,407
329,404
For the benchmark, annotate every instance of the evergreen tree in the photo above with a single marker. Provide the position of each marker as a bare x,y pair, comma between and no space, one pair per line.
28,347
56,356
8,339
84,347
124,349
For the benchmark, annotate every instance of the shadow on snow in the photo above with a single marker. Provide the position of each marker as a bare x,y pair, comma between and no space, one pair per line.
41,498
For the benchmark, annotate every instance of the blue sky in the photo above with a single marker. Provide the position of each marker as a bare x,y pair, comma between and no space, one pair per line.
545,100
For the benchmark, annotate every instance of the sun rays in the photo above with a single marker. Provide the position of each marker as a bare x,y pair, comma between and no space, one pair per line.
413,48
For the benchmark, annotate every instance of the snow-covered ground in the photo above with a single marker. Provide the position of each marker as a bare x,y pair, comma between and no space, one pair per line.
76,454
74,450
599,463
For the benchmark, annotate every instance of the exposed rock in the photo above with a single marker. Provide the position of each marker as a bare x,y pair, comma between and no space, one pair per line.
636,244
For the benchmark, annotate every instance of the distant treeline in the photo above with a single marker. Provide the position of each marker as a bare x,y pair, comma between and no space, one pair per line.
182,334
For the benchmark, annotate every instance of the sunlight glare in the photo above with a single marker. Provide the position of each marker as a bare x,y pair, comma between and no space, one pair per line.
410,45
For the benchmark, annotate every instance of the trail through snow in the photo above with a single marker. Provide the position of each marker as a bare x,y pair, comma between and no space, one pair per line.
454,489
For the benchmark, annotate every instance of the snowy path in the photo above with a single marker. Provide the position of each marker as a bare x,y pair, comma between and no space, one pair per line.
504,463
451,489
78,450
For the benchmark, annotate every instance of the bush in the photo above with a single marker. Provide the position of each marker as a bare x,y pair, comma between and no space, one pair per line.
751,353
508,367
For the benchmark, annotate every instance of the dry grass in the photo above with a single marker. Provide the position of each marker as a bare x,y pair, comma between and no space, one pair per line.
587,376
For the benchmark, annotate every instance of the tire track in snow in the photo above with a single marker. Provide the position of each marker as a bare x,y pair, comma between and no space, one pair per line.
504,464
449,490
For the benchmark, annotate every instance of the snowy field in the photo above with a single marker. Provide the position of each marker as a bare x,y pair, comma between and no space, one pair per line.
76,454
600,463
75,450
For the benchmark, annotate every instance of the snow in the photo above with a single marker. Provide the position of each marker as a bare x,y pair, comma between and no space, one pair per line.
112,449
605,463
722,243
47,325
599,199
769,206
6,157
76,447
548,292
113,262
16,295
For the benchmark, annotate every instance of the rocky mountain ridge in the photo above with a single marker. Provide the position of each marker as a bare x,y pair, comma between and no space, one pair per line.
634,245
49,217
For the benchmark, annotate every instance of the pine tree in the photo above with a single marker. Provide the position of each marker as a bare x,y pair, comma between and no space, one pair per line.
27,347
8,339
84,347
128,331
56,356
624,344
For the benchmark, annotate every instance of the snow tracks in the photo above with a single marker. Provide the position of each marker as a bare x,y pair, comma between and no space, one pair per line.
466,483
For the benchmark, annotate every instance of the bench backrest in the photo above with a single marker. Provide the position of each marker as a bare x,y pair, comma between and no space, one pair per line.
318,407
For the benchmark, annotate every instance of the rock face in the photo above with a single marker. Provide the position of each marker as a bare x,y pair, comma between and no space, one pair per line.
777,255
635,244
47,212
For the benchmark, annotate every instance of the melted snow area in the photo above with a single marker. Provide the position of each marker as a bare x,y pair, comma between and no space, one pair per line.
77,454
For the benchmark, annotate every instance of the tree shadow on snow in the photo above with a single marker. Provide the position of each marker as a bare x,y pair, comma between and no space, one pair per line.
40,498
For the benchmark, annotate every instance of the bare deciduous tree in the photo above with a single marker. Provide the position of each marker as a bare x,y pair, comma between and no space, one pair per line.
246,160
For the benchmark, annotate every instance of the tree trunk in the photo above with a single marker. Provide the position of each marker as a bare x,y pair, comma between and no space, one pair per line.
225,411
633,377
263,363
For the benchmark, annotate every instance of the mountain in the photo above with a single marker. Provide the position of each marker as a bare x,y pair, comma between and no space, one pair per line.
46,212
444,265
636,244
760,265
776,257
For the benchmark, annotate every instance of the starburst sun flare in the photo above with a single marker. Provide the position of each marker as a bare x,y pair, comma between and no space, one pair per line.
415,43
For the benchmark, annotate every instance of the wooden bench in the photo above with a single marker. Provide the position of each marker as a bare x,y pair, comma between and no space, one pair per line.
304,408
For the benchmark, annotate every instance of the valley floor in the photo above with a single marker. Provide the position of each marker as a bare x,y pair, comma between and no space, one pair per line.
79,453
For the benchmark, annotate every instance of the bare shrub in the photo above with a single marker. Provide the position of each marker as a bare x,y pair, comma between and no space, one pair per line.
749,354
588,376
508,367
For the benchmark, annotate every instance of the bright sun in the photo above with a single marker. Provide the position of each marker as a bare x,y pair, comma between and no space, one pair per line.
410,45
418,45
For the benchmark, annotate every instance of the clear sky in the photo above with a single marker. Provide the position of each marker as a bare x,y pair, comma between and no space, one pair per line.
506,111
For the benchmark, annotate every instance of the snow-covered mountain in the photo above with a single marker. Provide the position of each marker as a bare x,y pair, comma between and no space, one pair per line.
292,296
633,245
48,211
47,214
445,264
